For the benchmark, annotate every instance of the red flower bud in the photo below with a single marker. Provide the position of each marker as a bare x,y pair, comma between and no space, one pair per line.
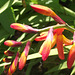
23,28
24,55
8,53
47,11
12,43
13,66
6,60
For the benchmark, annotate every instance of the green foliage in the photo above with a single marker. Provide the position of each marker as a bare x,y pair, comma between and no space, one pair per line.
13,11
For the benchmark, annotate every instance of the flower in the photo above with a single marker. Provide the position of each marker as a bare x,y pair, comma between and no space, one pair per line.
14,64
58,38
23,28
8,53
47,11
24,55
46,46
71,56
12,43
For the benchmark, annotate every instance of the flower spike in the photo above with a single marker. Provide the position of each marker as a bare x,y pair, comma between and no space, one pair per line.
23,28
24,55
13,66
12,43
46,46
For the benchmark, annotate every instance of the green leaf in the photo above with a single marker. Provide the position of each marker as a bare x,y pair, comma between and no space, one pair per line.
1,70
4,4
73,71
6,18
57,68
52,53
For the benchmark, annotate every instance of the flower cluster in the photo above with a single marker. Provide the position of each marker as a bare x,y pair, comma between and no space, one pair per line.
50,37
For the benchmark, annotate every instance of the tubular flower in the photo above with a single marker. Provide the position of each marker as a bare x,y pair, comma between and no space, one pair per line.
46,46
14,64
47,11
12,43
71,56
8,53
24,55
23,28
58,38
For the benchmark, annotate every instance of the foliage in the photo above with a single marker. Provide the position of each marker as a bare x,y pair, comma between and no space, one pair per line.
12,11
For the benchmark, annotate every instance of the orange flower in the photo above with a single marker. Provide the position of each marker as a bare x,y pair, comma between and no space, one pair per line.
12,43
71,56
47,11
58,39
23,28
14,64
46,46
24,55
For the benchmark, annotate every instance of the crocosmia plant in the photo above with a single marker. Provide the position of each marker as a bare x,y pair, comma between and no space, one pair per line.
54,43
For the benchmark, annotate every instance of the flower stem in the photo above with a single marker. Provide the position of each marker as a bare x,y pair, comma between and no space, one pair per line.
58,26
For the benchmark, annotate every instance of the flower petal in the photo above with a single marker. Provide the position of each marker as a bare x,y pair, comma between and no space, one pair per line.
71,56
67,41
42,36
46,46
60,46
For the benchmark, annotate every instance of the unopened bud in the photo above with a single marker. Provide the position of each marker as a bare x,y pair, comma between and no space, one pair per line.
8,53
12,43
23,28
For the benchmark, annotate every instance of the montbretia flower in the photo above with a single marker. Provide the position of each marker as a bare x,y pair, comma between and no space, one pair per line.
46,46
6,60
24,55
14,64
47,11
58,38
8,53
12,43
71,56
23,28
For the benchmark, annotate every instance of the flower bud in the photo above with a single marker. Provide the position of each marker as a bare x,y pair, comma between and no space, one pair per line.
12,43
6,60
23,28
47,11
8,53
24,55
14,64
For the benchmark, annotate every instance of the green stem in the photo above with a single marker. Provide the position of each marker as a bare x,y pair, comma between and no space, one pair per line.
33,37
58,26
